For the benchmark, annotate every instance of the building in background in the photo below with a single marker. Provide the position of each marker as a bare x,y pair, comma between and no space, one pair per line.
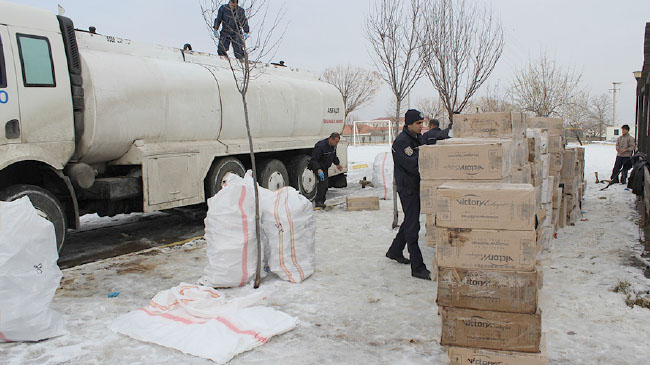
614,132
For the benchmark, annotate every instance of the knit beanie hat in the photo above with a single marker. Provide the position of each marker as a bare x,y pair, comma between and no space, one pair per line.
412,116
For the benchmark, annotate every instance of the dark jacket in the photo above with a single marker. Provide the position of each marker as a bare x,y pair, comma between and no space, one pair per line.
435,134
323,156
405,157
226,17
637,176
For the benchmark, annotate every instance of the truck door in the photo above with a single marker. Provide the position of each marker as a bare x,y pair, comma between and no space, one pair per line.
9,111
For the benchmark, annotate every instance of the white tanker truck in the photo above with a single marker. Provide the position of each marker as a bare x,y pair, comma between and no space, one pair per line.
99,124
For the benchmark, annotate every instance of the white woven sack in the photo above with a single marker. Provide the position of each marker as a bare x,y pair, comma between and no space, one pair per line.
230,235
29,275
382,175
290,229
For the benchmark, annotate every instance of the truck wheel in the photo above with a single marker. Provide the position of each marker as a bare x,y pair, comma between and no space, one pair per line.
219,173
338,181
301,177
272,175
46,205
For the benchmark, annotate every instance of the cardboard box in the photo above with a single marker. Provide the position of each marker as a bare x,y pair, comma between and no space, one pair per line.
554,126
569,161
540,141
485,249
547,190
429,192
522,175
520,152
491,330
486,206
557,198
474,356
363,203
492,290
555,144
563,213
489,125
555,161
487,161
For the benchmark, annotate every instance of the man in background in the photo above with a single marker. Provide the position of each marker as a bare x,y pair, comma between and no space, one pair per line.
322,157
625,146
436,134
232,20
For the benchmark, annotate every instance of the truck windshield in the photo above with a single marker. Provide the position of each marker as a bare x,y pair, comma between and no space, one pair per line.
3,75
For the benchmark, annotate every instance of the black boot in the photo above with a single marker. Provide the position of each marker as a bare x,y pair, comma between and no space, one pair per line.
422,274
401,259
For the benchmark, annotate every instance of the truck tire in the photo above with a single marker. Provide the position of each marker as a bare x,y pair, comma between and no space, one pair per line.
46,204
272,175
301,177
338,181
219,173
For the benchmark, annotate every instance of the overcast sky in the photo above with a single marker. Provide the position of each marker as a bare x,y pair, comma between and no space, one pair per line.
603,39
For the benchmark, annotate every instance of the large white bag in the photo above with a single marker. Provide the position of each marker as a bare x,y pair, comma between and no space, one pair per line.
29,275
230,235
382,175
199,321
290,230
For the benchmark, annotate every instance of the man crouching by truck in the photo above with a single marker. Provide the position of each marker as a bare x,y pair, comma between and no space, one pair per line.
407,179
322,157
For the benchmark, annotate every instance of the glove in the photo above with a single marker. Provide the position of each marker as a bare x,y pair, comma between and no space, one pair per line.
245,36
216,33
321,176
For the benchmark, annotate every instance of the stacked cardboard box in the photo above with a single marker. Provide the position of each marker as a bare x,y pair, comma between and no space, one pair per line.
572,180
488,281
486,148
555,130
544,184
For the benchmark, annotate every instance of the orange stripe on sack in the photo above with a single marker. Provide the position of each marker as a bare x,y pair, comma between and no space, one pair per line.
244,220
293,242
171,317
233,328
278,224
3,338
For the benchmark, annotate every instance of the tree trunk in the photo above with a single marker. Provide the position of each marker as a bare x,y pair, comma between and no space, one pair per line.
258,236
395,213
576,132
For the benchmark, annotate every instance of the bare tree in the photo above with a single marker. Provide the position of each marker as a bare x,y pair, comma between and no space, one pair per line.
495,101
601,112
392,30
431,108
357,85
263,44
578,117
461,43
544,88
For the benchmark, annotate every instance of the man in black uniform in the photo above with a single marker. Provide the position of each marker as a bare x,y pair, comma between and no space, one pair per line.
436,134
233,18
407,178
322,157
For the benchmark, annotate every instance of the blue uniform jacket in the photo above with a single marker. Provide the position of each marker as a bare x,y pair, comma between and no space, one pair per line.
405,157
323,156
226,17
435,134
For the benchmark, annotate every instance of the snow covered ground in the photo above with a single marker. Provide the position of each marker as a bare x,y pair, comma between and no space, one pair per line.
360,307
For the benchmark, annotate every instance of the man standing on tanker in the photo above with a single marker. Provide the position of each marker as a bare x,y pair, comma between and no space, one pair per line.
233,18
407,179
322,157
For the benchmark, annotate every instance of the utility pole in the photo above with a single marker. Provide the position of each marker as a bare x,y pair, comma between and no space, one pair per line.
614,90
